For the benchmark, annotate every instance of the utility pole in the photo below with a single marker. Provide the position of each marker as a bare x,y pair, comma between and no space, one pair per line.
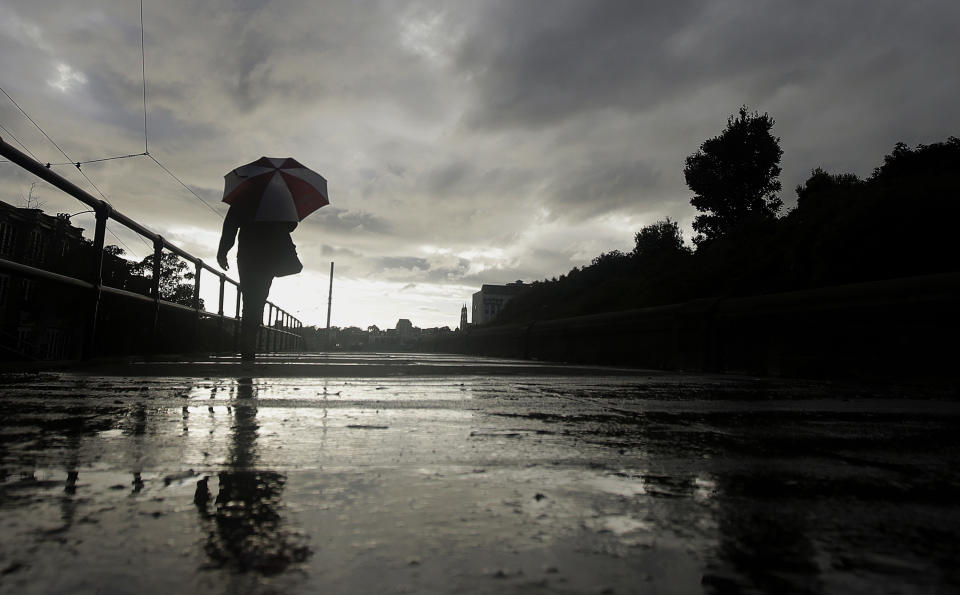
329,304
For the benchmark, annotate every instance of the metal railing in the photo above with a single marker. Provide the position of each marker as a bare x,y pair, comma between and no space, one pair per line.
280,333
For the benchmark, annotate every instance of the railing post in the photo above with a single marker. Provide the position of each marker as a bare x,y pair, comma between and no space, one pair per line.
219,343
277,334
157,272
96,277
198,267
236,323
270,333
262,336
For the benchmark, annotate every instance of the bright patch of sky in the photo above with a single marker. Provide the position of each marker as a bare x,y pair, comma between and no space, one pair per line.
66,78
429,35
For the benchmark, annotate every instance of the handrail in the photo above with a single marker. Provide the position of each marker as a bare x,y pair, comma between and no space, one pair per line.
104,212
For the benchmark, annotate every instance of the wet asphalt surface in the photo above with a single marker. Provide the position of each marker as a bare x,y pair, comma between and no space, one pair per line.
438,474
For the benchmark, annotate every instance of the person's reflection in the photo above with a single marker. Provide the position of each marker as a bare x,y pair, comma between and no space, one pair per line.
68,504
248,531
136,428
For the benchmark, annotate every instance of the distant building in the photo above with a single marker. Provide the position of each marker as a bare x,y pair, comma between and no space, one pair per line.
435,331
463,318
405,331
38,323
490,300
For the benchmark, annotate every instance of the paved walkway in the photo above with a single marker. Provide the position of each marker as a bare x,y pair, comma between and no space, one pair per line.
411,474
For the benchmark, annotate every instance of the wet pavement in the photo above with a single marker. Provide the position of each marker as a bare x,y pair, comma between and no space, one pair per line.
438,474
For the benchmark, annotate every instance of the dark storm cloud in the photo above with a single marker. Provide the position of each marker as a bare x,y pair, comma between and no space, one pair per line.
463,177
599,186
446,177
328,250
421,270
252,71
110,97
540,61
455,273
344,221
403,262
211,195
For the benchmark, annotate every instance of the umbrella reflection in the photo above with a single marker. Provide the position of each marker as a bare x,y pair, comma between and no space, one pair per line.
248,531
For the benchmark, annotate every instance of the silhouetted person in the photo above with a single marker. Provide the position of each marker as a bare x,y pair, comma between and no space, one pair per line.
264,252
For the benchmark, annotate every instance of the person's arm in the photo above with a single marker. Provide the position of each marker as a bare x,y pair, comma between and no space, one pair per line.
231,224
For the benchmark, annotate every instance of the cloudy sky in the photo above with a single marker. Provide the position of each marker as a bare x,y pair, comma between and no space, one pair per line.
464,141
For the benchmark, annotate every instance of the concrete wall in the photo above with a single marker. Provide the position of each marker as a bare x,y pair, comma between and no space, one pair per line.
901,328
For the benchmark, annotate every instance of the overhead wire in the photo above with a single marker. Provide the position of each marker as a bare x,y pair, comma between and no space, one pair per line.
146,149
146,146
35,124
77,164
143,77
122,243
190,190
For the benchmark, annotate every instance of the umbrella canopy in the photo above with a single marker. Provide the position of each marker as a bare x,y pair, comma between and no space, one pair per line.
283,189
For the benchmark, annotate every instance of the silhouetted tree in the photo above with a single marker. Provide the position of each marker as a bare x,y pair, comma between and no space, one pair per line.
848,230
844,230
734,176
822,183
173,273
925,161
660,238
116,271
608,261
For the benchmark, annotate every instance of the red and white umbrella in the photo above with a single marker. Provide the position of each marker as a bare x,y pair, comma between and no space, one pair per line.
283,189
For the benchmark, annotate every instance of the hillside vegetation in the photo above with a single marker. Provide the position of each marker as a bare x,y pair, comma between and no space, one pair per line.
898,222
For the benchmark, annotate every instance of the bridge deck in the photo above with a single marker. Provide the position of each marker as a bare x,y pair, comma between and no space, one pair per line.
406,473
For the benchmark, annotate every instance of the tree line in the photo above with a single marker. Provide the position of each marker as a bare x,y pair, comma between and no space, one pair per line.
897,222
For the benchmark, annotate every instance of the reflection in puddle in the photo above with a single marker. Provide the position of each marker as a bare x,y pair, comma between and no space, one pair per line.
704,488
619,485
248,531
311,390
621,525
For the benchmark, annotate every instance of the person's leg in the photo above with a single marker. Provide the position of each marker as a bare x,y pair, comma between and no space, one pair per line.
255,287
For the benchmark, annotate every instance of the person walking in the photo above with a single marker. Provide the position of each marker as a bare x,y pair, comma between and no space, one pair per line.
264,252
267,199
